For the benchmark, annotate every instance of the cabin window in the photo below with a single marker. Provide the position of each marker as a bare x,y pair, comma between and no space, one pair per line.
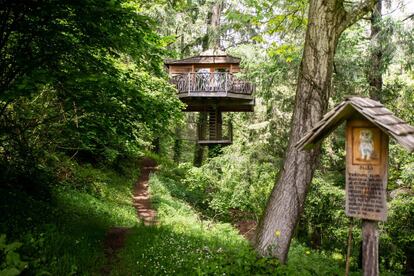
221,70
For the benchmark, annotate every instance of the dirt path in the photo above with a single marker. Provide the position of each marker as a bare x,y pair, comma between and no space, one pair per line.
141,199
116,236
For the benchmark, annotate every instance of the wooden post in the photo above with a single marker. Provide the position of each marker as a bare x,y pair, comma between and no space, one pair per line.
370,255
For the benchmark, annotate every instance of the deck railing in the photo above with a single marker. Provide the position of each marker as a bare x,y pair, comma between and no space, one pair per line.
193,83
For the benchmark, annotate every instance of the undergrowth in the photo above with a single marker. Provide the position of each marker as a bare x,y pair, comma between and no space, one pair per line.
185,244
64,235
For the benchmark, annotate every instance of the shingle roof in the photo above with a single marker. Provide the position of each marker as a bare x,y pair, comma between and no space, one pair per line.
372,110
207,57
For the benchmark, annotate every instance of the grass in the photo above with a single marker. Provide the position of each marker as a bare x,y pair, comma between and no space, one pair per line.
64,236
185,244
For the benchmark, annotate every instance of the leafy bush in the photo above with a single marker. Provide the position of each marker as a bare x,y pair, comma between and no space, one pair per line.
10,262
63,236
397,235
323,223
227,182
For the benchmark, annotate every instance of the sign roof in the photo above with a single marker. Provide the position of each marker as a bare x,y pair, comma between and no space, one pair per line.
369,109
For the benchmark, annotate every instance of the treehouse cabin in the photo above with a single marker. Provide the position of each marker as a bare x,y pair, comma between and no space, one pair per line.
207,83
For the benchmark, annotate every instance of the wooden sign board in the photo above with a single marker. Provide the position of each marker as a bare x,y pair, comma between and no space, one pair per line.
366,170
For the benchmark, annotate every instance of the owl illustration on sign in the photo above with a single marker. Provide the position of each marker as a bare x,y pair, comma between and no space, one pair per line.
366,145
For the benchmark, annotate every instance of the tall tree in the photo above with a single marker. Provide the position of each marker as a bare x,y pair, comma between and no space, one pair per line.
211,41
327,19
375,67
214,25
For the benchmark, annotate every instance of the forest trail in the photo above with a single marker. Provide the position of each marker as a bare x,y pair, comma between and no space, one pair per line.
116,236
141,199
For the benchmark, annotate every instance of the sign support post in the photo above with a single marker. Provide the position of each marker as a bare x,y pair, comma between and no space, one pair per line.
370,240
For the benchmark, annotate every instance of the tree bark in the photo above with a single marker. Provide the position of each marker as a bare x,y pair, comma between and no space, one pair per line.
327,19
375,69
213,29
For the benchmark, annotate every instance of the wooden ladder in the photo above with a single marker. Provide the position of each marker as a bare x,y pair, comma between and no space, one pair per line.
215,124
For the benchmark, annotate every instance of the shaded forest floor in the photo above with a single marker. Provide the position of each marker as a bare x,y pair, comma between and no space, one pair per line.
116,236
92,229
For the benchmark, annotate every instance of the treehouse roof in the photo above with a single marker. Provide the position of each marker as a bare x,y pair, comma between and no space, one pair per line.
211,56
369,109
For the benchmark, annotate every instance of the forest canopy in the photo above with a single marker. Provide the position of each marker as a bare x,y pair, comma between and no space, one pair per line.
80,78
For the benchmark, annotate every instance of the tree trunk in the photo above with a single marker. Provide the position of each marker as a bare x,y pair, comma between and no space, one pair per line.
327,19
214,26
375,69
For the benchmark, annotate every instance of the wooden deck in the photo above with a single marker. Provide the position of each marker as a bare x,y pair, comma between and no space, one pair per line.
221,90
224,104
215,142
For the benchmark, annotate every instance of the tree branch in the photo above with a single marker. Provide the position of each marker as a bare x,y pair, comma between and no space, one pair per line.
408,17
357,13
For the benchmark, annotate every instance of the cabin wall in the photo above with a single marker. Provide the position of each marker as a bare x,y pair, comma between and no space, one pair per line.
180,69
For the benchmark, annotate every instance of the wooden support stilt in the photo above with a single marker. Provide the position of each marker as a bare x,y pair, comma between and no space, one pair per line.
370,255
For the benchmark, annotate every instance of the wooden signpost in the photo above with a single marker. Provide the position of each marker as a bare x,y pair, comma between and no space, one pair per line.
369,124
366,184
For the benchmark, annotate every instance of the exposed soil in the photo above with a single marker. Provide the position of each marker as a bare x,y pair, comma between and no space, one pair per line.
114,241
247,228
244,223
141,199
116,236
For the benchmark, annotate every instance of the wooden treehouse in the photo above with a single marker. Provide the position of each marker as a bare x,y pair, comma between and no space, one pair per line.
207,83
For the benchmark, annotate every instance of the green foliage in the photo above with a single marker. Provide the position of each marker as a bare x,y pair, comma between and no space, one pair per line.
323,223
397,237
83,95
227,182
85,79
184,243
64,236
10,262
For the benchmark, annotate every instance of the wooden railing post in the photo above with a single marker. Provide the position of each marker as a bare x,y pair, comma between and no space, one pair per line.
225,83
189,83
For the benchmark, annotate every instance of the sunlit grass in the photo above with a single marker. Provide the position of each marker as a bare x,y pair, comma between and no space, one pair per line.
184,243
